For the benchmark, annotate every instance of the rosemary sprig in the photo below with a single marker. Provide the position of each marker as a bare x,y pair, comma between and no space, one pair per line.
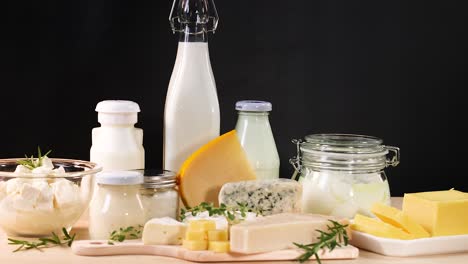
335,237
230,212
31,162
121,234
52,241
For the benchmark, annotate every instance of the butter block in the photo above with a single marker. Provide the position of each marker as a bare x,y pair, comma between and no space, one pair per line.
276,232
265,196
218,235
163,231
397,218
218,246
195,245
441,213
378,228
202,225
196,235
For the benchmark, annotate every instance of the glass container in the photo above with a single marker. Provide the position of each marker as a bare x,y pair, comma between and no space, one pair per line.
343,174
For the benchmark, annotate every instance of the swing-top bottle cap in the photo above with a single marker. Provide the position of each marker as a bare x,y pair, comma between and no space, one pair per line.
200,15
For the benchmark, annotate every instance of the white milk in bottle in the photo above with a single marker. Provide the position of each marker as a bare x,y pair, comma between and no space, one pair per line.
191,114
254,132
117,144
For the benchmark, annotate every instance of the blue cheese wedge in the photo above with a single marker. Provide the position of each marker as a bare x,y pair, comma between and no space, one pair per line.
264,196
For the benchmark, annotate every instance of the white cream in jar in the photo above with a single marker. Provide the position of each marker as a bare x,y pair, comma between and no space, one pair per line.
159,194
116,204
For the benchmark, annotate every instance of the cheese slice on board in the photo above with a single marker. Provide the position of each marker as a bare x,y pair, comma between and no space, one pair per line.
220,161
277,232
397,218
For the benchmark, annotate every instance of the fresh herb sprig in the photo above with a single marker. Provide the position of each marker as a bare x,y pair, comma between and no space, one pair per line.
336,236
31,162
230,212
120,235
52,241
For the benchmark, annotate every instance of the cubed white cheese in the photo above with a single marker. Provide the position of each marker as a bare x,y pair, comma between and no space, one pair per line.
45,201
2,189
221,221
163,231
20,169
13,186
264,196
65,192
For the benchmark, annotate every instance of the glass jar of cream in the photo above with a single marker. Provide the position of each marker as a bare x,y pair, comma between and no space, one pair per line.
159,194
116,204
343,174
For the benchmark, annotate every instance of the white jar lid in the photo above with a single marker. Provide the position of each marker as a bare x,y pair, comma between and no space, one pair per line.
117,106
119,177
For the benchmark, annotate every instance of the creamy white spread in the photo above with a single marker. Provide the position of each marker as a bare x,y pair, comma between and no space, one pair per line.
39,205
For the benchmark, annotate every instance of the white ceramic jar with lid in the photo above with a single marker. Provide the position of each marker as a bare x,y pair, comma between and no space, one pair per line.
343,174
159,194
117,144
116,203
255,135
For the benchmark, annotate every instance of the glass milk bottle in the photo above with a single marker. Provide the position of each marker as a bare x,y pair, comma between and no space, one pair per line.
191,114
117,144
254,132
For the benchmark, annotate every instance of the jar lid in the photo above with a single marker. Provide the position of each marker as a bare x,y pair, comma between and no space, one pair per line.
253,106
119,177
344,143
154,178
117,106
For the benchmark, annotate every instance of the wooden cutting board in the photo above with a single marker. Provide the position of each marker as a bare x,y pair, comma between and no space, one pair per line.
101,248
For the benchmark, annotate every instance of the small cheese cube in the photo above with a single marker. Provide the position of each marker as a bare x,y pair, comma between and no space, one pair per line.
202,225
196,235
399,219
195,245
442,213
378,228
219,246
163,231
218,235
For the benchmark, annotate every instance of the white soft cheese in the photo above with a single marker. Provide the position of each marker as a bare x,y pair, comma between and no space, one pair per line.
38,205
163,231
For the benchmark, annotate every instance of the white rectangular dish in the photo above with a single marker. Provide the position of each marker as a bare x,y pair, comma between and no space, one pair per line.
408,248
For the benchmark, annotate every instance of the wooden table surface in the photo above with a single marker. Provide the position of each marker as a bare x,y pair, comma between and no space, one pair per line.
65,256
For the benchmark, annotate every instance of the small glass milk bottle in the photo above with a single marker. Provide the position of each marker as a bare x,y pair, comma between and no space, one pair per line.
255,135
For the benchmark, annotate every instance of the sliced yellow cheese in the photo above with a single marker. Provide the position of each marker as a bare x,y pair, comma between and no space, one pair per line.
202,225
220,161
442,213
218,235
378,228
196,235
397,218
218,246
195,244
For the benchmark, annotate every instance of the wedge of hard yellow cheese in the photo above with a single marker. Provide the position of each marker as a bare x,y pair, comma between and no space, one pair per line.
399,219
220,161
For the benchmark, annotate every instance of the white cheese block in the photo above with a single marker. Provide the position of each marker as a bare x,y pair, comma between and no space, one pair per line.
277,232
65,192
163,231
45,201
264,196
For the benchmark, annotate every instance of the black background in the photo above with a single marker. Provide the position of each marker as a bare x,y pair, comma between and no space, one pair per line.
391,69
